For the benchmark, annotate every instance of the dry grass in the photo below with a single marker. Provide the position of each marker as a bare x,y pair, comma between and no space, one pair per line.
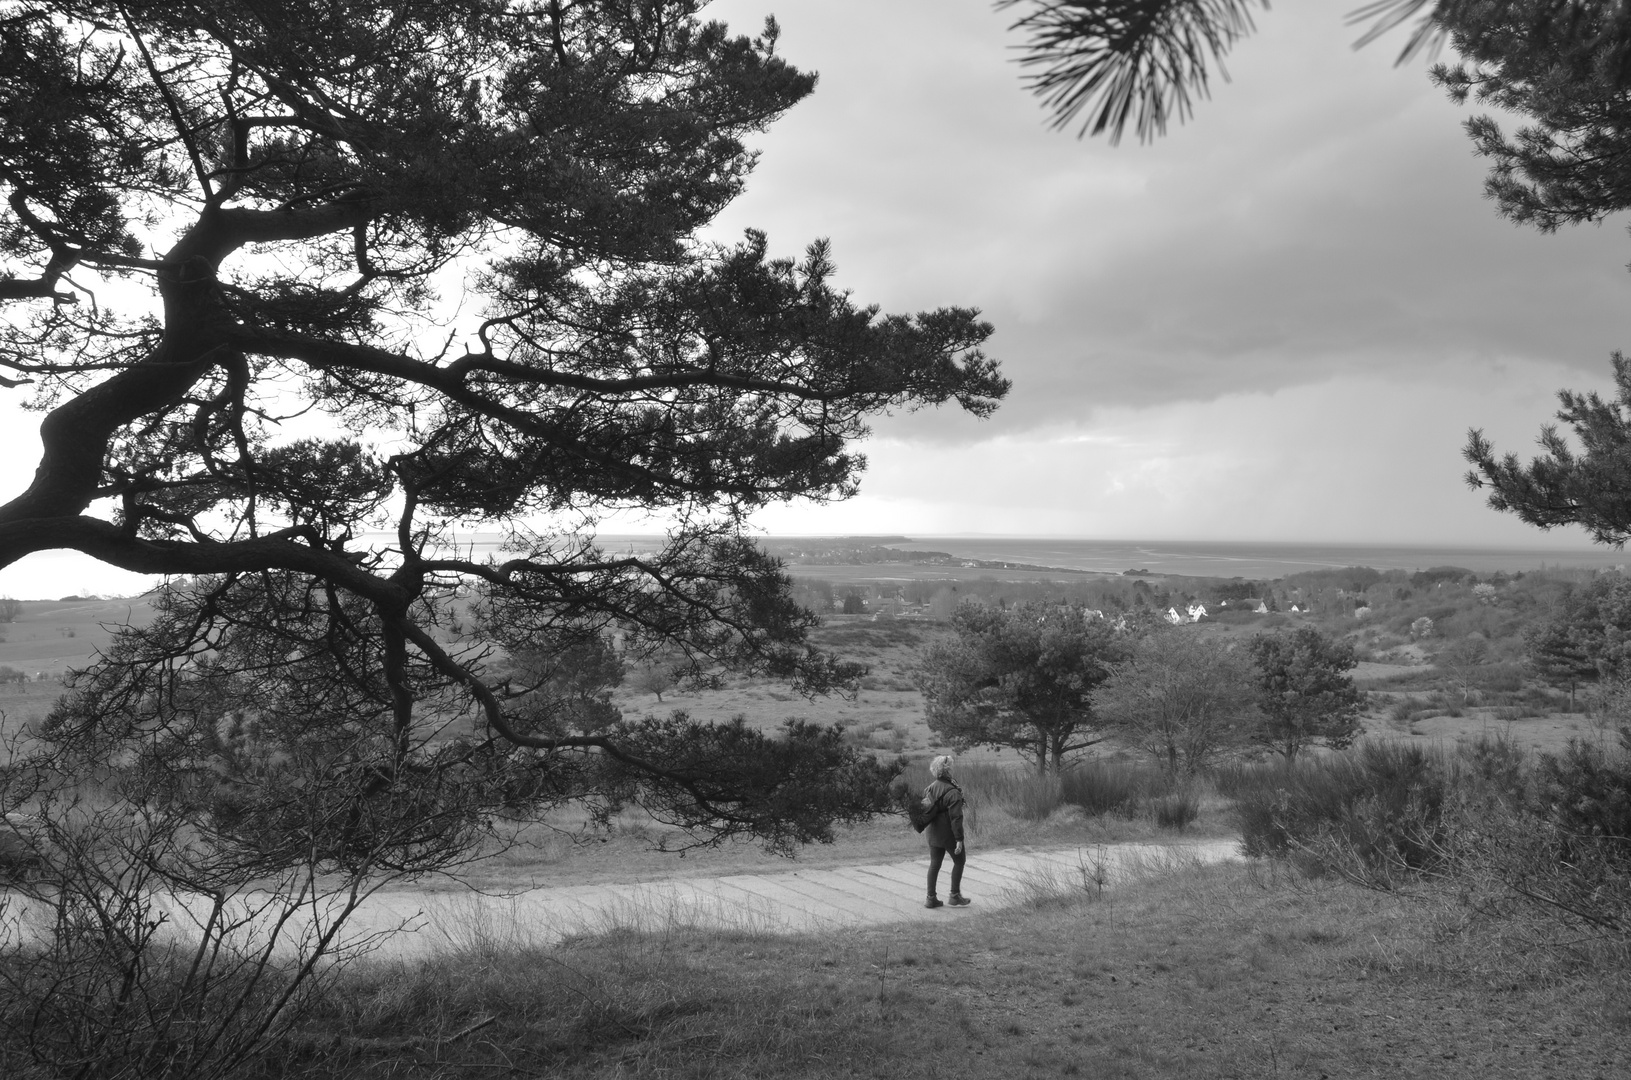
1227,971
563,851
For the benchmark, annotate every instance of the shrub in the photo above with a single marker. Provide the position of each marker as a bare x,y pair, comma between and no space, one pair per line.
1587,791
1548,844
1016,790
1492,767
1501,678
1542,700
1378,807
1551,846
1098,788
1237,779
1176,809
19,856
1034,797
1102,787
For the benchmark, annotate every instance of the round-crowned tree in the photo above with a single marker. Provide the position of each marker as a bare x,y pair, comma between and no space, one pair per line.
1182,698
1020,678
1306,693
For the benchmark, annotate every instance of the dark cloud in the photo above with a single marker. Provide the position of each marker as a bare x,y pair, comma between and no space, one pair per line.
1323,212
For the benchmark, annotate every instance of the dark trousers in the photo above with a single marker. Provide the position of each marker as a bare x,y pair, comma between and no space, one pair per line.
937,855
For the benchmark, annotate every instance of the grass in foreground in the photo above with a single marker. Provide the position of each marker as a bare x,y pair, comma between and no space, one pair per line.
1209,972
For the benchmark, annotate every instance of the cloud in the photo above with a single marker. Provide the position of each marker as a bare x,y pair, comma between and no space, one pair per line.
1275,323
1322,213
1362,458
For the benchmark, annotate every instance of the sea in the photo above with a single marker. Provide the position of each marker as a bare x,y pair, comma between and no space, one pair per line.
1263,560
49,575
1192,558
1259,559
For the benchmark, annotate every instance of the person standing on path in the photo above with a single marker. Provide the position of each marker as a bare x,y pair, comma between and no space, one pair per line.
943,799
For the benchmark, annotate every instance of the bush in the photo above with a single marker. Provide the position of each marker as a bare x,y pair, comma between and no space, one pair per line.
1034,797
1017,790
1587,791
1379,806
1551,846
882,735
1102,787
1098,788
1548,845
1501,678
1239,779
1176,809
20,859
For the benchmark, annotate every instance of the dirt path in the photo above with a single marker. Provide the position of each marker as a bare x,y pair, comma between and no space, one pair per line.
411,923
787,902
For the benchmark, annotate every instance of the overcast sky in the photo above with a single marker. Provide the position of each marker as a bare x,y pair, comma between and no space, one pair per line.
1276,323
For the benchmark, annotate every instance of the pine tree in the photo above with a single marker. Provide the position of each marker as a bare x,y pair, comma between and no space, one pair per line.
1306,694
1020,678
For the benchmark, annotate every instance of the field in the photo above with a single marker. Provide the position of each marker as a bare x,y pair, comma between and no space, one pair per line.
886,714
51,636
43,643
1231,971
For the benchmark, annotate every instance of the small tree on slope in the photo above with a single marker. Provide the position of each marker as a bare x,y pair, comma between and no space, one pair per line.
1306,694
1182,698
1019,678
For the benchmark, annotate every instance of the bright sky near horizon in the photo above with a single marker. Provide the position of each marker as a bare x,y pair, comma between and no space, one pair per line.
1276,323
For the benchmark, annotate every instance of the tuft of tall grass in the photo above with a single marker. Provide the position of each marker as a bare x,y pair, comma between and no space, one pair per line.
1107,787
1097,788
1177,808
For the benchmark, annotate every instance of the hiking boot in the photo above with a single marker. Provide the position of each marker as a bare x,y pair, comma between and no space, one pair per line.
933,901
959,900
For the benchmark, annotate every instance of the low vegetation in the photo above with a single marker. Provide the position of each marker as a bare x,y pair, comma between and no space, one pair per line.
1444,856
1242,970
1461,911
1543,842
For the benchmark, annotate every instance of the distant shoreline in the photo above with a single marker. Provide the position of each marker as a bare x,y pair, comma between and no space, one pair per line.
1223,559
49,575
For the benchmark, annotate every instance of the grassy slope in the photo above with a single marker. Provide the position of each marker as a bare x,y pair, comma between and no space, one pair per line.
1214,972
48,638
51,636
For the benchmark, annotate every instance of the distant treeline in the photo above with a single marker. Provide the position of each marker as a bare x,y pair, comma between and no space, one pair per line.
842,551
1382,609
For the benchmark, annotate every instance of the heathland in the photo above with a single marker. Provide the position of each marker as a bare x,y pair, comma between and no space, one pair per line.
1403,913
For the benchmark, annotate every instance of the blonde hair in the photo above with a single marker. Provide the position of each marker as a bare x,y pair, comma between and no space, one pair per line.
940,767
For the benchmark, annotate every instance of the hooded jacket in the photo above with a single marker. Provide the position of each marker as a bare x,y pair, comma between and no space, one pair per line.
946,830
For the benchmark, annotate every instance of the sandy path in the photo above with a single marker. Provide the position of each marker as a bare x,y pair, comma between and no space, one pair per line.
793,901
410,923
